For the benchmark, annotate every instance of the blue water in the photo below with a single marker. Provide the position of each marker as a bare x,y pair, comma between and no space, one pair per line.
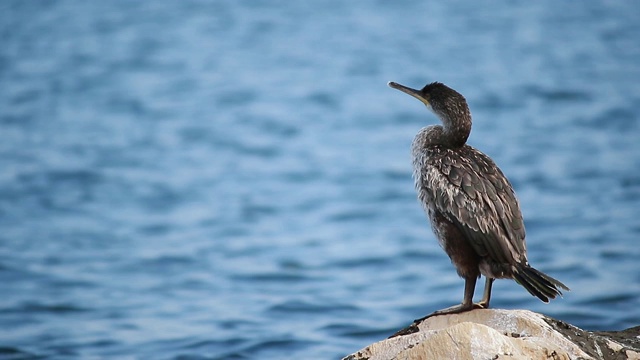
231,179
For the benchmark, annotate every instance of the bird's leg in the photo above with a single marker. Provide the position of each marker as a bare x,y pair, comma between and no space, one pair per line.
484,303
467,301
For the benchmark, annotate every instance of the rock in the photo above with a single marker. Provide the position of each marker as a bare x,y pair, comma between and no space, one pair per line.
501,334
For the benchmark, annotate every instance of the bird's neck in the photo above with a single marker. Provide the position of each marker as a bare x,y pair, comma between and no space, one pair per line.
454,134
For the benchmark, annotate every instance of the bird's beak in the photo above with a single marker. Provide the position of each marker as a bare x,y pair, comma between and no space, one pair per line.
413,92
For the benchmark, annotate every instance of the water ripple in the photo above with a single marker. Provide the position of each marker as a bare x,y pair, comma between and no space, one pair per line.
33,307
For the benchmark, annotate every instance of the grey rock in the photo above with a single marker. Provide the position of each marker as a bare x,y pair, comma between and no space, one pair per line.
501,334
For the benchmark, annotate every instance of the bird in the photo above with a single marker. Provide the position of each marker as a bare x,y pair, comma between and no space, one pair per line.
471,205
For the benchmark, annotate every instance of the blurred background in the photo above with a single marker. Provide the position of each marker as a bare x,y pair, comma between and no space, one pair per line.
232,179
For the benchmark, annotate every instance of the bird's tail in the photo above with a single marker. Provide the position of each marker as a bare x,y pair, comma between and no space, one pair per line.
537,283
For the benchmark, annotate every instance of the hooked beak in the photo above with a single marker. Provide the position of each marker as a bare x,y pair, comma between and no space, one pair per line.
413,92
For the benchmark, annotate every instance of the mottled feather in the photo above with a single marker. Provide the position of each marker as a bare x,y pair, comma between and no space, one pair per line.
470,191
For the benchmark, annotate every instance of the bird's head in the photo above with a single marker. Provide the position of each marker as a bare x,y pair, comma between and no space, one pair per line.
438,97
447,104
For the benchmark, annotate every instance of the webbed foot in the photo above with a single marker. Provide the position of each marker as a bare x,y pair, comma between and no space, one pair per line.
456,309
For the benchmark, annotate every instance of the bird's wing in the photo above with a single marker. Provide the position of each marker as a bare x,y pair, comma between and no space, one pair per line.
471,192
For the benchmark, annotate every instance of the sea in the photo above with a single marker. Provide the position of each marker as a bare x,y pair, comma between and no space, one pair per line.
232,179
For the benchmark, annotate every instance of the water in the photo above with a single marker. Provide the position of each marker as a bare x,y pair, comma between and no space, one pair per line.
231,180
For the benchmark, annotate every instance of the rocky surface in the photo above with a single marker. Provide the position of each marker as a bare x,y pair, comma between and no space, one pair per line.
501,334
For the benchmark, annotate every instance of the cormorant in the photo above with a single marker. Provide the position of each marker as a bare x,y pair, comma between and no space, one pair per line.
472,207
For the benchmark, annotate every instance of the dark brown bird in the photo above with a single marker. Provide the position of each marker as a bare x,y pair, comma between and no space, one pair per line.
473,210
